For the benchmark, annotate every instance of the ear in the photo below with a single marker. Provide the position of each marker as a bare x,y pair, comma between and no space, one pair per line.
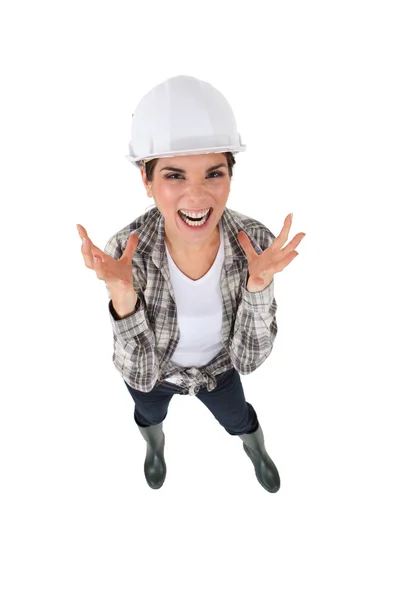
144,178
146,183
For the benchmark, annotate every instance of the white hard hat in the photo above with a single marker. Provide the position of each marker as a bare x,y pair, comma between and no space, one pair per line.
182,115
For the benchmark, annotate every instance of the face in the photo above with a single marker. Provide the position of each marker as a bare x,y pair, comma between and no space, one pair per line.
192,183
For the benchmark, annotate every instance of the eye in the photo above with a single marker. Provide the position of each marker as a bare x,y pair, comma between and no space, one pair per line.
216,173
173,175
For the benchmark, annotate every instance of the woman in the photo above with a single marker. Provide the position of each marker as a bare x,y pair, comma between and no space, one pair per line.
190,282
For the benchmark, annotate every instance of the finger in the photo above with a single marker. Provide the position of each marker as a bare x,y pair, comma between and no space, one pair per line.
98,267
87,253
130,247
93,248
89,250
86,246
247,245
83,235
285,261
81,230
103,272
284,234
293,244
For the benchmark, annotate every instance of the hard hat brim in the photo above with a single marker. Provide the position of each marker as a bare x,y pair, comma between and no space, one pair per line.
135,160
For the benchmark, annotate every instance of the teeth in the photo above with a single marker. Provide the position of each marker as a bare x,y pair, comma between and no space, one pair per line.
197,223
194,214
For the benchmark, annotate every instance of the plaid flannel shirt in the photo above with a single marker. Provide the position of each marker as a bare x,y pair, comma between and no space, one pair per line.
145,341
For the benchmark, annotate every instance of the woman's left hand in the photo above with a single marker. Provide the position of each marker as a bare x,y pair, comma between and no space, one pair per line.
262,267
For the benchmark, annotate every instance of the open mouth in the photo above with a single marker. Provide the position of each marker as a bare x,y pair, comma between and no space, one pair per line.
193,221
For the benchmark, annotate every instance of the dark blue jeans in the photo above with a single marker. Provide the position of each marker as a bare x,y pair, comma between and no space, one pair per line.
226,402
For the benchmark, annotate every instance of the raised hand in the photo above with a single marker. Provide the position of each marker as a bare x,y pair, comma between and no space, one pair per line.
116,273
262,267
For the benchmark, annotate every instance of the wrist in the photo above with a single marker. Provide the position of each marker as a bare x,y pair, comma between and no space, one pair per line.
121,290
124,300
124,309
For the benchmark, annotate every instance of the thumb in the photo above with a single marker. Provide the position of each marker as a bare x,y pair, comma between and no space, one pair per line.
131,246
244,241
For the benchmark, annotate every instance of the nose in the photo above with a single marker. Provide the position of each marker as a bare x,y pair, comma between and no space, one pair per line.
195,185
196,193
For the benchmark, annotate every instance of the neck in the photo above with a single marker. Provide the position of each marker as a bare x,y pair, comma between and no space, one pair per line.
194,251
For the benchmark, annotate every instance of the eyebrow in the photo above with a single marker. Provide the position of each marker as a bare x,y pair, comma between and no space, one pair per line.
183,171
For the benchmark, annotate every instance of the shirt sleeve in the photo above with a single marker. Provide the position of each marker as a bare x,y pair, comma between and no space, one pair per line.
255,329
134,339
255,325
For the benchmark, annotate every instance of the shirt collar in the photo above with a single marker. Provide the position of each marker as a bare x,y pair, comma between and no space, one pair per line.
153,242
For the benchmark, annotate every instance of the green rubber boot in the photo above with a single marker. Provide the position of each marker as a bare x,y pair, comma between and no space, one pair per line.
155,469
266,472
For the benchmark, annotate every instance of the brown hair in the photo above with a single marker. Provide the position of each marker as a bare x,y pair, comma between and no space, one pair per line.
150,166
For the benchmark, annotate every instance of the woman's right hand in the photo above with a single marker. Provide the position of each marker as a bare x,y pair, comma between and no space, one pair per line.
116,273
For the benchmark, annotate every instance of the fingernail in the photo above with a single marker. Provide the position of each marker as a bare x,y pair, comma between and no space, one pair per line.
84,241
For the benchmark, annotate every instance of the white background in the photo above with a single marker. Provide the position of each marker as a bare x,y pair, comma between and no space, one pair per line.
315,90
